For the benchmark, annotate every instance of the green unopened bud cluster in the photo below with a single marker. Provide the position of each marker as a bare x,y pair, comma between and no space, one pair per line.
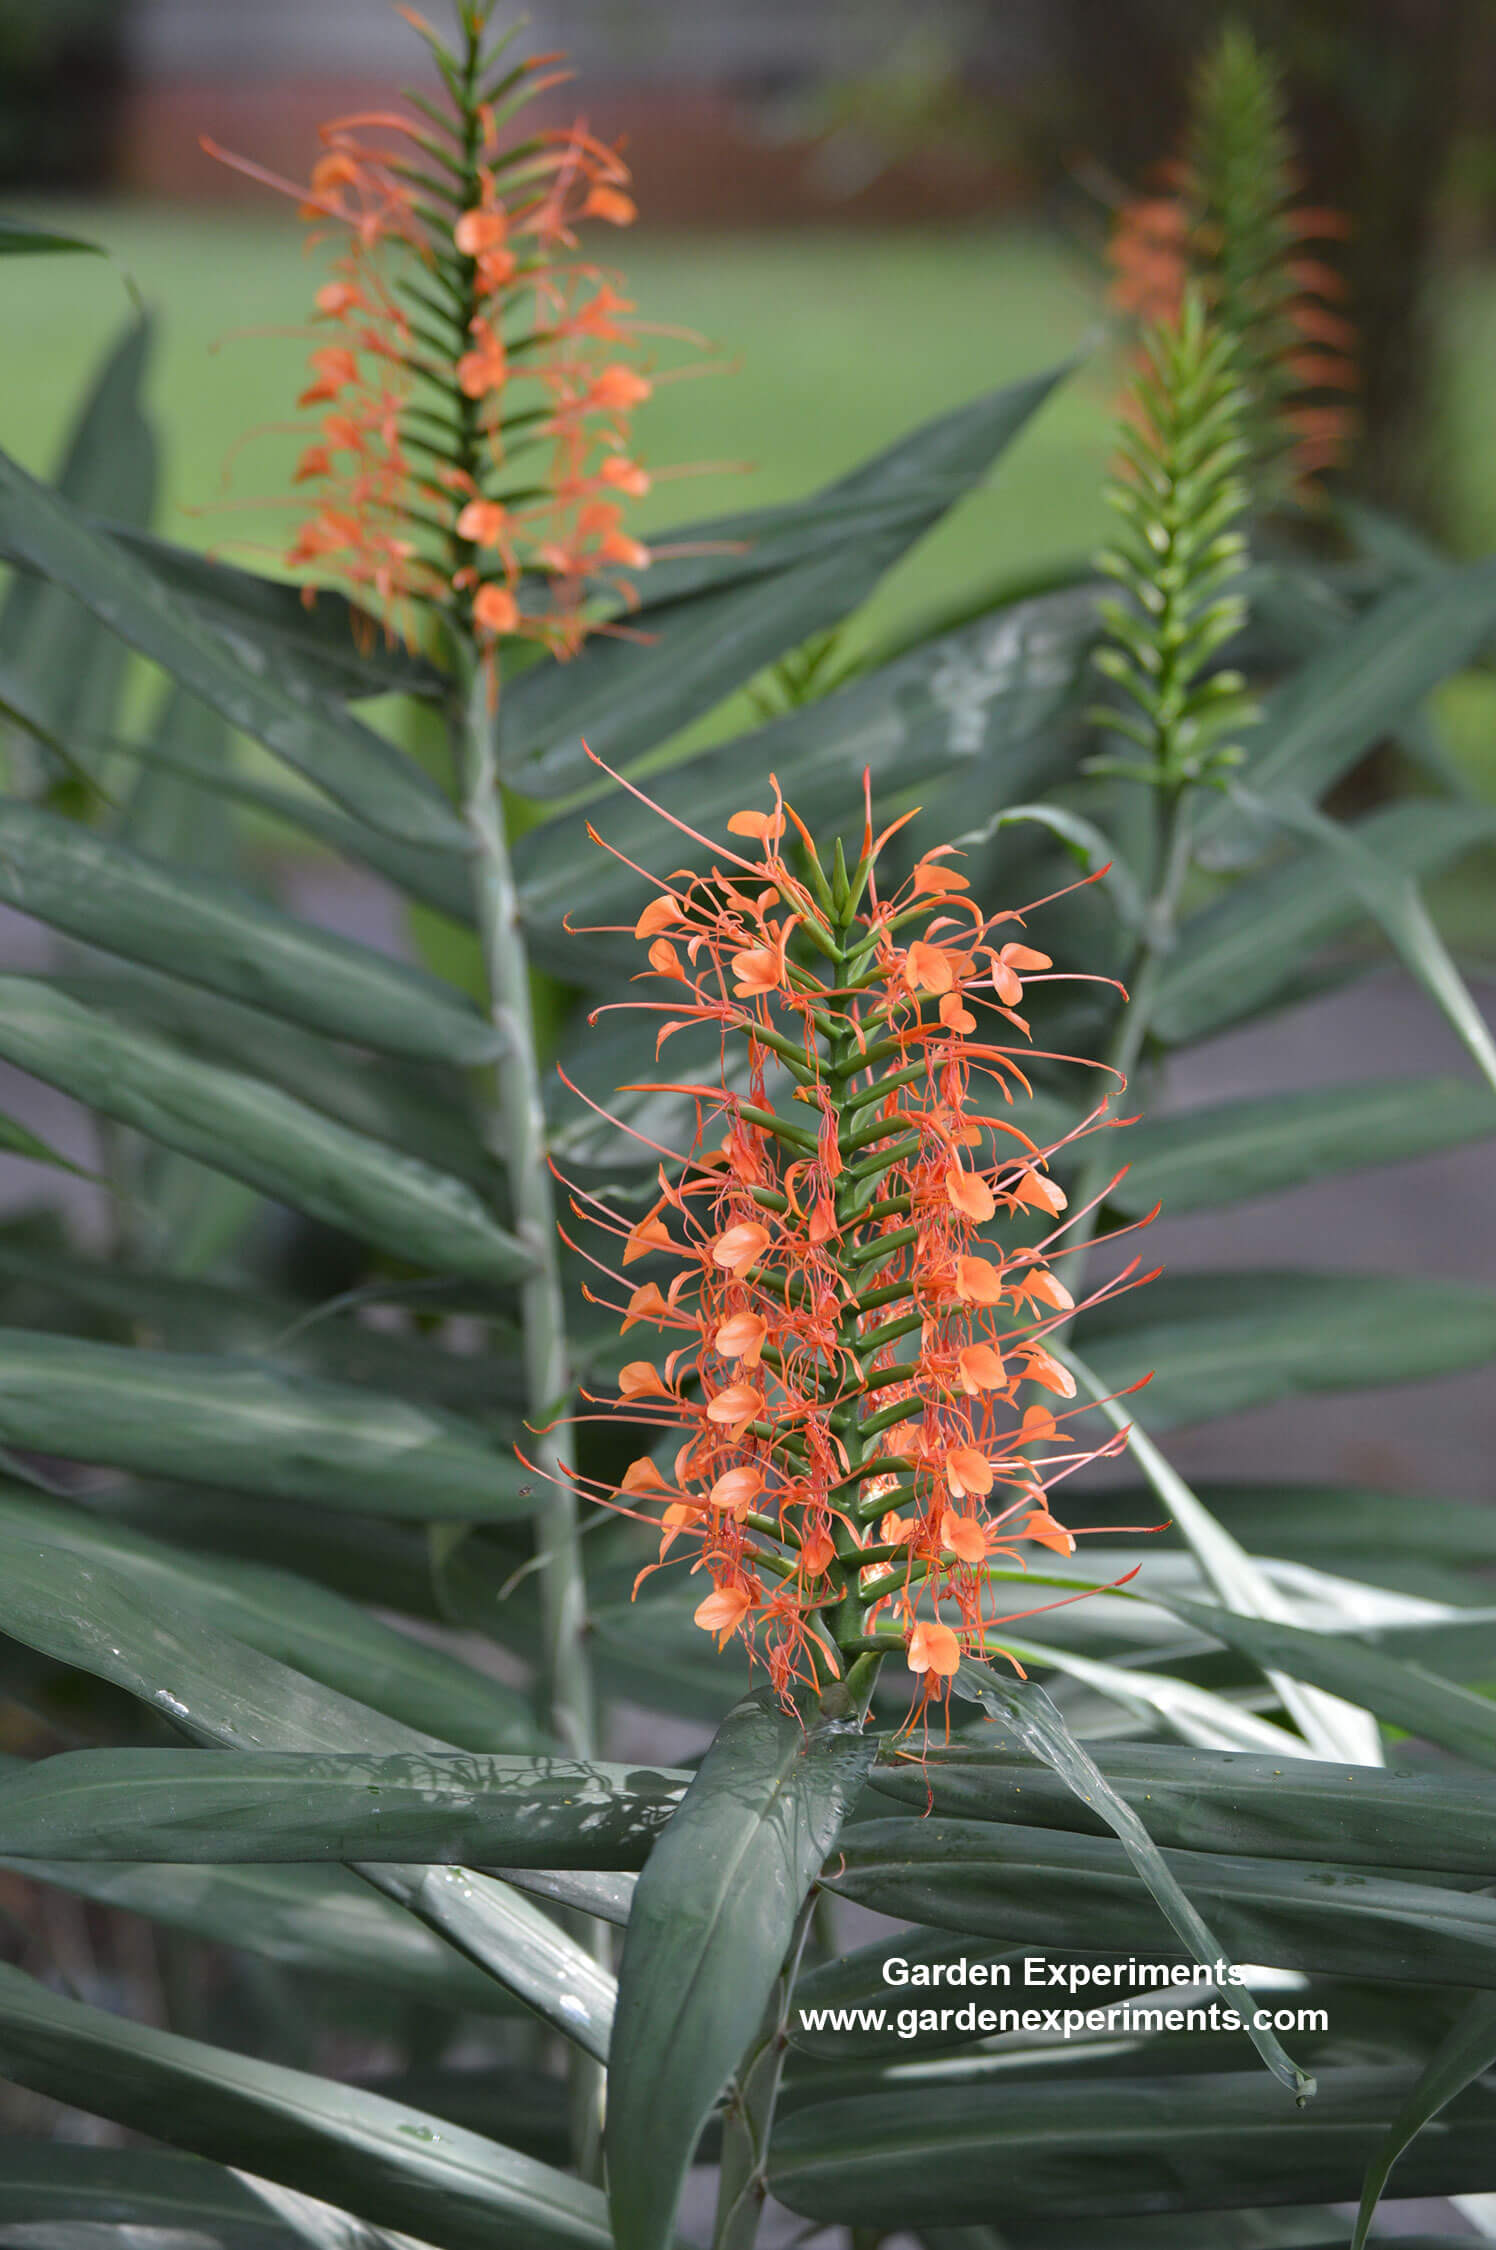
1178,557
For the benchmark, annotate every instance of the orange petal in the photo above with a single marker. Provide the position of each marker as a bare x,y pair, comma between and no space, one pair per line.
740,1247
968,1193
643,1476
641,1379
981,1368
967,1470
738,1403
742,1337
966,1536
978,1282
736,1491
933,1648
1042,1526
768,827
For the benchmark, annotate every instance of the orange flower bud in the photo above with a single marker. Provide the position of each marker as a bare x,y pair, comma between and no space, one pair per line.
495,609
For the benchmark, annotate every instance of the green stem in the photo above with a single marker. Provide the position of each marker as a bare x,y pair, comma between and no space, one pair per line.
748,2114
518,1134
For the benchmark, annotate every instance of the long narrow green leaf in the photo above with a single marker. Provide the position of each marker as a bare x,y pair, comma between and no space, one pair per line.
235,1124
1325,715
1026,1708
1330,1727
285,1615
1235,957
972,713
1404,1695
393,2165
353,764
712,1920
25,238
1090,2150
231,1423
1227,1151
312,1921
60,2185
1215,1801
217,935
1461,2058
1392,898
240,1807
334,648
1043,1887
219,1691
1221,1342
710,620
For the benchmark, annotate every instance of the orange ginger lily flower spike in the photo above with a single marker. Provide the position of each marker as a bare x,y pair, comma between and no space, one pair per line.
473,376
851,1452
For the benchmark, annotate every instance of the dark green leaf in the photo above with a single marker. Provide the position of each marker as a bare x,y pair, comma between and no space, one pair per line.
1027,1710
215,934
232,1423
1221,1342
1324,716
1405,1695
1221,1801
971,713
1047,1886
353,764
1340,1526
398,2167
318,1921
25,238
334,648
713,1916
222,1692
61,2184
1228,1151
1467,2052
234,1123
298,1623
1234,957
1091,2150
237,1808
787,573
64,669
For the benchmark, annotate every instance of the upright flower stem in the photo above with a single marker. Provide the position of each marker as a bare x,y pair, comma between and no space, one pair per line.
517,1133
516,1137
748,2114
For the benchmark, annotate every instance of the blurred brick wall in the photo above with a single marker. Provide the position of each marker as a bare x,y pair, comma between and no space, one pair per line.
697,157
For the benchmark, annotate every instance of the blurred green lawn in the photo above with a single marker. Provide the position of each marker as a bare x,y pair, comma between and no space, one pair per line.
825,346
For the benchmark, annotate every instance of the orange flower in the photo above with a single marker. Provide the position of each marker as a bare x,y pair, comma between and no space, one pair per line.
736,1490
739,1403
495,609
967,1471
723,1612
966,1536
932,1647
741,1246
742,1337
981,1369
